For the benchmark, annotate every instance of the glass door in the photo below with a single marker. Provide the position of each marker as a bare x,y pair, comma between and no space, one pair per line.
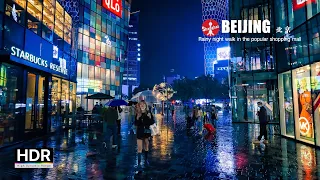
30,121
35,102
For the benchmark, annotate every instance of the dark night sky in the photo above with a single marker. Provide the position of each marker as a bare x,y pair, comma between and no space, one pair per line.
169,31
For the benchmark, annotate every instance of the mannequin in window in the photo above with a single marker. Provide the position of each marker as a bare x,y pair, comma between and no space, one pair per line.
306,108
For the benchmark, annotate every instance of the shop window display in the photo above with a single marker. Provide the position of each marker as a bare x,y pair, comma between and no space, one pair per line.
315,85
286,104
9,106
303,104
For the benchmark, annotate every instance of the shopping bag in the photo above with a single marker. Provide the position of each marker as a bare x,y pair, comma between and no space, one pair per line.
153,129
209,127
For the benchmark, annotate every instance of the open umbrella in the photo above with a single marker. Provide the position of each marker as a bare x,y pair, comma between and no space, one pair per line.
100,96
132,103
117,102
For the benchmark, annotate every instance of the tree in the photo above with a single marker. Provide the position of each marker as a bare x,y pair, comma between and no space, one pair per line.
203,87
184,88
141,88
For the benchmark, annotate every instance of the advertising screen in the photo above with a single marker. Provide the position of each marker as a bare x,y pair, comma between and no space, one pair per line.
223,53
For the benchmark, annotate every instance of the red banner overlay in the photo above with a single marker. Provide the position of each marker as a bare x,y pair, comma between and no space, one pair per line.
298,4
114,6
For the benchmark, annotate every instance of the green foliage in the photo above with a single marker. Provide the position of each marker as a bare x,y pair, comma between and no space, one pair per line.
205,87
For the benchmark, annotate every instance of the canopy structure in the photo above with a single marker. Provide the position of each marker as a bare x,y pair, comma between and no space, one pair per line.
100,96
146,96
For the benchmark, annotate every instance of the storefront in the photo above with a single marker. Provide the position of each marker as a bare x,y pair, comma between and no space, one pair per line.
37,70
299,102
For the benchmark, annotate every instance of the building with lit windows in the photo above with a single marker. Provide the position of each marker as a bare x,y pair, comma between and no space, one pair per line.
298,65
102,48
252,66
37,68
131,75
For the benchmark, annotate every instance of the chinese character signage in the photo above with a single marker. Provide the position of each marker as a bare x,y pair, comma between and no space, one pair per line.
114,6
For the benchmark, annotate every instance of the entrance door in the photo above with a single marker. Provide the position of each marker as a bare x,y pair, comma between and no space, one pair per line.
35,103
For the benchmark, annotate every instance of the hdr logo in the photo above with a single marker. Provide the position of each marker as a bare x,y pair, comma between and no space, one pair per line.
34,158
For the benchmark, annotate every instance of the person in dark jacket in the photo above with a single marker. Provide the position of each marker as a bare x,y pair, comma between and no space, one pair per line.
110,126
143,121
263,118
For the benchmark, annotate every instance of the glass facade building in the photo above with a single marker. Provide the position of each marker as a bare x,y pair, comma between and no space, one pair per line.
37,69
102,48
299,71
131,75
252,66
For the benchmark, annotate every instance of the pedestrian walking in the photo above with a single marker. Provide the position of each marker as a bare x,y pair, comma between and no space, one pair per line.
119,110
131,118
194,118
200,121
110,126
263,119
144,119
172,110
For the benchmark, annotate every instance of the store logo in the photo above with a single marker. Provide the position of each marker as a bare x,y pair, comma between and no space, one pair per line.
55,52
223,53
108,41
298,4
210,27
34,158
37,60
114,6
304,126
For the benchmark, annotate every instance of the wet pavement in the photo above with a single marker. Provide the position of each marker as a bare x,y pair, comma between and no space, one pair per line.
175,154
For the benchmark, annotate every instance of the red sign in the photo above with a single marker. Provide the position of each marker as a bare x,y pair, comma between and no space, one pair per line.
297,4
114,6
210,27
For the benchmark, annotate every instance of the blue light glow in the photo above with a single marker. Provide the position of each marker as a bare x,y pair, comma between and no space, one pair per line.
138,59
138,45
138,49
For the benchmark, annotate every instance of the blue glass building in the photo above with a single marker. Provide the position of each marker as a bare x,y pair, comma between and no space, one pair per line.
131,75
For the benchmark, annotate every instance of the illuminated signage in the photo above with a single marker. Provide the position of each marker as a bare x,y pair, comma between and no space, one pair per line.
55,52
297,4
39,61
304,126
114,6
223,53
222,68
245,26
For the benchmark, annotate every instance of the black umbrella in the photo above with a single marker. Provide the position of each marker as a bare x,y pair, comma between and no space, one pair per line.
132,103
100,96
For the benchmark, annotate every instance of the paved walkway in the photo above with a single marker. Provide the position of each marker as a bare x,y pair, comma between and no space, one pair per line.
176,154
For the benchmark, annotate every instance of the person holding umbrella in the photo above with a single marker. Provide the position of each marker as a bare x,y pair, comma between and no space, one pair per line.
110,121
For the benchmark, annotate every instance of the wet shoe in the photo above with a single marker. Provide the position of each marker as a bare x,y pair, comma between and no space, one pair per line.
114,146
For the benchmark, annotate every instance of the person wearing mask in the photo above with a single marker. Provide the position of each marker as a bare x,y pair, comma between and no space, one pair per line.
263,119
143,120
110,126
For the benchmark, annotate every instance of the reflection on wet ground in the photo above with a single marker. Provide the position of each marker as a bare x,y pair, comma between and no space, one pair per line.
176,154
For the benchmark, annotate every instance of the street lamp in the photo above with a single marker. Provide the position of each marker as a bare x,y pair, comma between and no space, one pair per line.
163,92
